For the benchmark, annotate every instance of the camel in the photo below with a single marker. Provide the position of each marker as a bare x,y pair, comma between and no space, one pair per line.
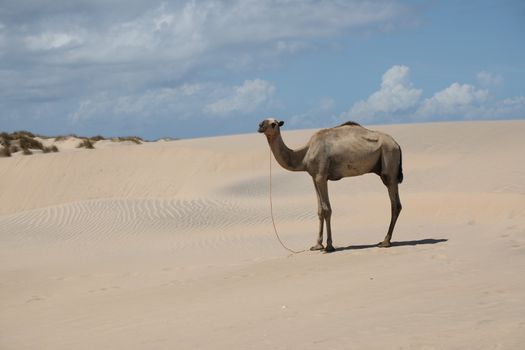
343,151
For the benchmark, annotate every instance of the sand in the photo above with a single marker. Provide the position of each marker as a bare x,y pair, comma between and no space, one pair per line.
169,245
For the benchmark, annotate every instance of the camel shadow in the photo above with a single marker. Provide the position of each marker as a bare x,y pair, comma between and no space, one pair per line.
393,244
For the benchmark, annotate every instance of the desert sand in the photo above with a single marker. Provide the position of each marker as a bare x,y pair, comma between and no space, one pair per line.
169,245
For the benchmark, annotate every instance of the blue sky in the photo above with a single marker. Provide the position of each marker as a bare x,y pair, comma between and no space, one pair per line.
201,68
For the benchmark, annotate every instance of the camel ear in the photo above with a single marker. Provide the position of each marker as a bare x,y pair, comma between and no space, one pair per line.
281,123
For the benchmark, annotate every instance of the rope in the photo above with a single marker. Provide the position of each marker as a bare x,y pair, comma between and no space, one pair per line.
271,213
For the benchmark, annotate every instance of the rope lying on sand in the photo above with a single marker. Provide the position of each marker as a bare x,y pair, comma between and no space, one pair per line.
271,214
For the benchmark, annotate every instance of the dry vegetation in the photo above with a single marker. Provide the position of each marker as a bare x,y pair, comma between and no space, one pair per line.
87,144
27,142
24,141
134,139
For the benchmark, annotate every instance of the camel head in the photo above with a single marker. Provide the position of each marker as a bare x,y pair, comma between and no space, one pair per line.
270,126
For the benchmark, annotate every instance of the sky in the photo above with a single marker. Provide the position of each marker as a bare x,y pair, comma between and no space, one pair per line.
188,69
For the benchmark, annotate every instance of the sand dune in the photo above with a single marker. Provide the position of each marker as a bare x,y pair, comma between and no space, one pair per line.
170,245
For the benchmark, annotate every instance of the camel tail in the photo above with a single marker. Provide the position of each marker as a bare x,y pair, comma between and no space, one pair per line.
400,171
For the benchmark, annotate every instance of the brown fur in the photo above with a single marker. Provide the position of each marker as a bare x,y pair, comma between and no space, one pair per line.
344,151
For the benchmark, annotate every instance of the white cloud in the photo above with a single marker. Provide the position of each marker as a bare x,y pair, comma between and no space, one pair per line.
455,100
105,59
189,30
90,107
176,103
398,100
244,98
396,94
508,108
513,105
93,107
49,40
159,100
487,79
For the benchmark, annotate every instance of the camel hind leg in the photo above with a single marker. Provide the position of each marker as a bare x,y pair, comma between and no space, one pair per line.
391,175
395,203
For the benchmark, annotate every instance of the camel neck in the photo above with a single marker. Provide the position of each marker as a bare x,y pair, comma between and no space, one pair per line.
289,159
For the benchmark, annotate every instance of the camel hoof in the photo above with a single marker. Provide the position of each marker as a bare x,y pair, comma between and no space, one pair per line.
317,247
384,244
329,249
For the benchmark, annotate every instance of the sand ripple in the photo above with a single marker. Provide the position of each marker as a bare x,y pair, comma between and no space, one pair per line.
116,218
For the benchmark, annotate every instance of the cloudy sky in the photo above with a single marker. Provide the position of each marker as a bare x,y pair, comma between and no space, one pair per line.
198,68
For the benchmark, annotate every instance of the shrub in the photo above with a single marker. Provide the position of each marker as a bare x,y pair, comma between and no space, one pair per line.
65,137
134,139
26,151
50,149
97,138
86,143
5,152
27,142
22,133
5,139
14,148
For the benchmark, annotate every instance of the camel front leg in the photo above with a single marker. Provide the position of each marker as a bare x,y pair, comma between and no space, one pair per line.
319,245
326,210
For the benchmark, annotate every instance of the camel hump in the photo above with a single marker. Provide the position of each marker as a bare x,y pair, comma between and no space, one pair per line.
349,123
